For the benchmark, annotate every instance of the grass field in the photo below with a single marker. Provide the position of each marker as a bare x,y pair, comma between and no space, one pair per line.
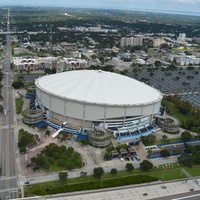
176,113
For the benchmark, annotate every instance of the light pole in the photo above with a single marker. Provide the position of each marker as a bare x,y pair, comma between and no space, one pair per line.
163,174
101,180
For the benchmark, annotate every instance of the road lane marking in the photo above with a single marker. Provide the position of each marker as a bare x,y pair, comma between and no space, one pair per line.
7,178
195,195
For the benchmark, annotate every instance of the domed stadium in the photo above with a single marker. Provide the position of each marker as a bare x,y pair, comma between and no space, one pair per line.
89,98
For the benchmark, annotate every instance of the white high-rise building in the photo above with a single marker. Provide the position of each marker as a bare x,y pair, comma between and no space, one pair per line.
181,37
131,41
158,41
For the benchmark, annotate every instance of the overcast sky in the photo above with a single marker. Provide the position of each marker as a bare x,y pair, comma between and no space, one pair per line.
171,5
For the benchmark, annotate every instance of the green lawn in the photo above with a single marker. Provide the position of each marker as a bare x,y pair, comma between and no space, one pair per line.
179,49
175,112
19,103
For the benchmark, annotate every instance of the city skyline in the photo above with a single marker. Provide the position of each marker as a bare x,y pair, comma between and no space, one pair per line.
183,6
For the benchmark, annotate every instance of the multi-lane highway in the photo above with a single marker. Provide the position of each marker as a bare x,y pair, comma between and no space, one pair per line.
8,179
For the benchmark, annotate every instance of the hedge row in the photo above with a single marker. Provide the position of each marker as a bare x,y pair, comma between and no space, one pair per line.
105,183
19,103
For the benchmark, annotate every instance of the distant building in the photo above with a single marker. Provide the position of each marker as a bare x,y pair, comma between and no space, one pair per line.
139,61
181,37
197,39
25,63
89,29
67,45
158,41
187,60
119,64
131,41
88,53
60,64
115,49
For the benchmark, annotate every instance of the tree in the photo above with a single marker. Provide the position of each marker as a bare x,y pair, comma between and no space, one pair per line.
98,171
157,63
56,155
22,149
63,176
148,139
146,165
151,74
70,149
36,168
1,108
83,174
28,165
61,162
196,157
186,160
177,151
129,167
188,148
113,171
186,135
197,114
149,152
164,137
47,133
46,165
70,165
164,153
17,84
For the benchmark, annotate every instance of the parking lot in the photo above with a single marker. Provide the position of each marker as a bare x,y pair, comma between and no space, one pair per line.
180,81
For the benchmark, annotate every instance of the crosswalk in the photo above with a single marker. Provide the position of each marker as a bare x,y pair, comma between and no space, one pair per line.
8,126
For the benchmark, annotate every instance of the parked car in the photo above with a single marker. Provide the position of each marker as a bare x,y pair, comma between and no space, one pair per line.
132,158
137,158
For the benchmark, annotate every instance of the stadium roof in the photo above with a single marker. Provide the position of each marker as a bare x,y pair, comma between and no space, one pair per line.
99,87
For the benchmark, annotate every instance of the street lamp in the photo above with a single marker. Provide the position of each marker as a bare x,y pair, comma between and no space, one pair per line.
101,180
163,173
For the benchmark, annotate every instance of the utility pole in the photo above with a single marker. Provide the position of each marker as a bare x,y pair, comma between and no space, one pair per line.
51,38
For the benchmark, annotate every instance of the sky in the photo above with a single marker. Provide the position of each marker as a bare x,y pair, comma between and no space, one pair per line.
165,5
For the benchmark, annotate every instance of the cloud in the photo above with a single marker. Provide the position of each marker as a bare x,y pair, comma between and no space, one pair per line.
189,1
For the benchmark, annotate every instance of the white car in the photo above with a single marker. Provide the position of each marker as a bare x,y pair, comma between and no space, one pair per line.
184,181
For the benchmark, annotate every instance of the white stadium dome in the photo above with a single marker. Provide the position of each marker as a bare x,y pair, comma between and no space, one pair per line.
86,97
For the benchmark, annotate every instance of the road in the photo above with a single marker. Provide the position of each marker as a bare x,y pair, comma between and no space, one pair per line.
8,179
186,196
89,170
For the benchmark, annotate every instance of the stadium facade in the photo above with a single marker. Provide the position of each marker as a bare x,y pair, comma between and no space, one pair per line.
89,98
